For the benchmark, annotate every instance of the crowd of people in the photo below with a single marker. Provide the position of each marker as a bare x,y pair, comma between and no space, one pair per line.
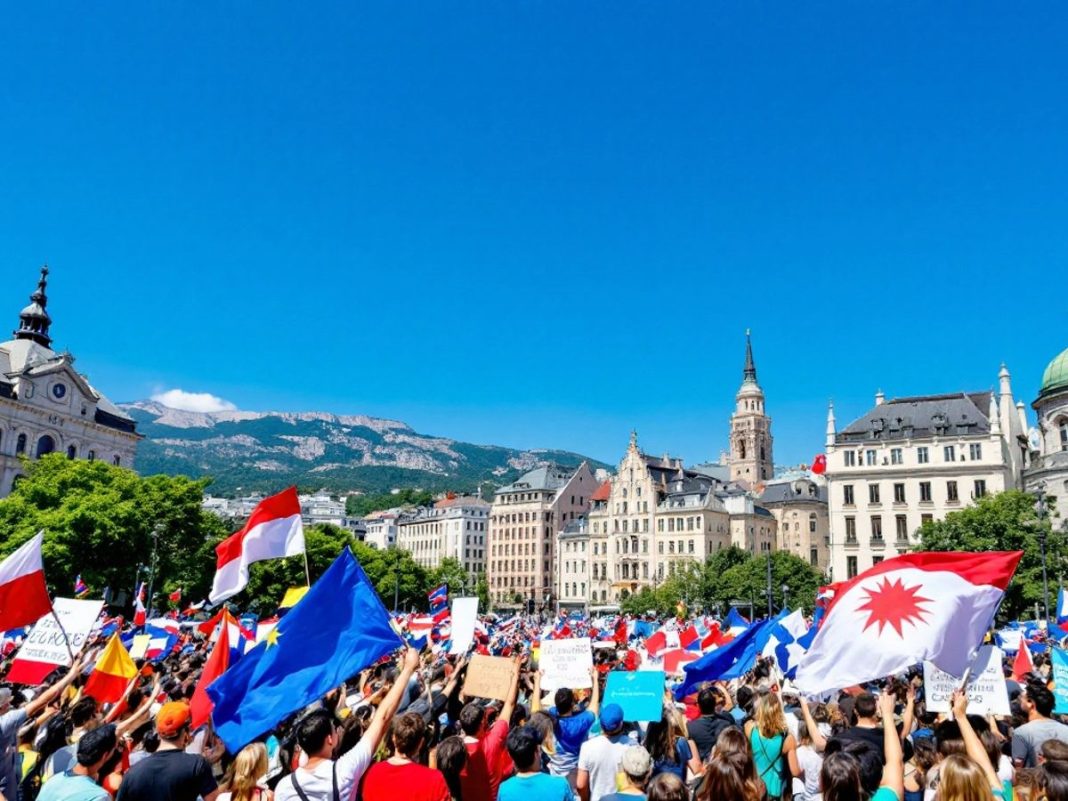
405,730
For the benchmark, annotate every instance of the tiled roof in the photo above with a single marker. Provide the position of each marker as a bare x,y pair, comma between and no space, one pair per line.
603,492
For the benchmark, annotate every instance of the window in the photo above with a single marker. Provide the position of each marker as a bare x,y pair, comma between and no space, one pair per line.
901,524
876,560
975,451
812,523
926,518
1064,435
922,456
925,492
45,445
980,488
661,548
873,493
899,493
895,456
690,546
813,557
877,529
869,458
851,567
20,444
671,546
949,453
850,458
71,451
847,493
951,491
851,530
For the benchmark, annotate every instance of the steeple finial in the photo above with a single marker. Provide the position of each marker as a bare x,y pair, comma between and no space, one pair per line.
633,439
34,320
749,374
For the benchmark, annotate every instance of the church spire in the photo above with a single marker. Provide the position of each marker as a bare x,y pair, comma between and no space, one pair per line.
749,374
34,320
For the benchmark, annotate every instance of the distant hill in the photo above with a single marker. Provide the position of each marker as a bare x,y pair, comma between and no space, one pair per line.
247,451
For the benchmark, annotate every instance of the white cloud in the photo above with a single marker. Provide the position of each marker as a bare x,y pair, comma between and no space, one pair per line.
193,401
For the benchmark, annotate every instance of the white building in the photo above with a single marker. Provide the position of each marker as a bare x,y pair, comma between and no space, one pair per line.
321,508
1048,470
381,529
910,460
452,528
47,406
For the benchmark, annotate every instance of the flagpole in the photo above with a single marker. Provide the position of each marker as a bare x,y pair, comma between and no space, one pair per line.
307,572
66,638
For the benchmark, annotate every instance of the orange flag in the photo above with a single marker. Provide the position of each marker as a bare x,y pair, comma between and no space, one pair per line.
217,663
113,671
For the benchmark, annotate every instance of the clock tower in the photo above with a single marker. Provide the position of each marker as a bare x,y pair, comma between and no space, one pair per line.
751,459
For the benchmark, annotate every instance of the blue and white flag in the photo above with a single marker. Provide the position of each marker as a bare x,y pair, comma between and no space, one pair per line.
1062,606
735,624
788,642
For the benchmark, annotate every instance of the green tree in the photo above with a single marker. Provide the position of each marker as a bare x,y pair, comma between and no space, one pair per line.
483,593
363,505
748,581
1006,521
451,573
395,574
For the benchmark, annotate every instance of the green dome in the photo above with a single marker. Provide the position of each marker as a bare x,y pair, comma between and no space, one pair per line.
1056,375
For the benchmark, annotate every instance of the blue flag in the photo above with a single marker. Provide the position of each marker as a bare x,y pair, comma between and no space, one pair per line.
1059,662
339,628
728,661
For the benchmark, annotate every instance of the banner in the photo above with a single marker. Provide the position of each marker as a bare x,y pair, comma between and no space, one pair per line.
987,693
489,677
46,648
566,663
1060,680
464,615
140,646
639,693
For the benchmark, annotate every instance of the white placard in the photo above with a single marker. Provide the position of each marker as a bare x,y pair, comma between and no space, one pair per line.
987,693
46,643
464,615
566,663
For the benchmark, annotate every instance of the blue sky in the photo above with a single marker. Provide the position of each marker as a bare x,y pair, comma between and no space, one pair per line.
542,224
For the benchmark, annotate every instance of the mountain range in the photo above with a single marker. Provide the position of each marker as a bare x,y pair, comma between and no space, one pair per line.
265,451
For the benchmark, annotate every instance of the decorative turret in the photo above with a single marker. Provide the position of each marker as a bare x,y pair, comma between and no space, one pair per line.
751,459
34,320
831,431
995,419
749,373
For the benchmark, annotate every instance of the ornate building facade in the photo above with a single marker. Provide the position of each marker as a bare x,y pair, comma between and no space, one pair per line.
1048,469
751,460
47,406
800,509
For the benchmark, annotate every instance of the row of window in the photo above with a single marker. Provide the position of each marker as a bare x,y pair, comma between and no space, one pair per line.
47,444
900,496
923,455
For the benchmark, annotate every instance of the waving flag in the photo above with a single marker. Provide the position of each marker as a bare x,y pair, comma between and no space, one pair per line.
274,530
80,587
1062,606
439,603
23,594
200,704
920,606
176,596
787,642
112,673
140,614
735,623
728,661
1022,665
160,644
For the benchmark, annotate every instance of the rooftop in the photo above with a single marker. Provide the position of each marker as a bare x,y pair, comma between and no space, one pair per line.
921,417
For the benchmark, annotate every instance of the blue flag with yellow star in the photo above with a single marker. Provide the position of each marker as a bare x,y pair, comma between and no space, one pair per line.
339,628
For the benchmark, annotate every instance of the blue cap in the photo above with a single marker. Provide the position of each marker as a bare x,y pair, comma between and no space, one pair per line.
611,717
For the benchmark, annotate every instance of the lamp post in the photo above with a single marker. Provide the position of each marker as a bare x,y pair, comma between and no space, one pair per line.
785,595
152,574
1040,512
769,585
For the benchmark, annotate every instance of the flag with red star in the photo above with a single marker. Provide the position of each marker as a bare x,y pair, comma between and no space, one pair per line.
919,606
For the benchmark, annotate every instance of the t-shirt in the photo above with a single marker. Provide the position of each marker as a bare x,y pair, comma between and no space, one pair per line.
570,732
808,785
481,776
705,730
10,723
884,794
625,797
1027,739
168,776
864,734
61,761
69,787
683,755
600,758
536,787
413,782
318,784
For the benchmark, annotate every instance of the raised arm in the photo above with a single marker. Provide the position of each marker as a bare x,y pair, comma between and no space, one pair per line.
388,708
814,733
535,702
972,744
909,717
509,705
595,699
49,695
894,768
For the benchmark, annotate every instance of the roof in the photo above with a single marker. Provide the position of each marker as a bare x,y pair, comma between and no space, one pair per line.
603,492
1055,376
462,500
547,477
800,491
921,416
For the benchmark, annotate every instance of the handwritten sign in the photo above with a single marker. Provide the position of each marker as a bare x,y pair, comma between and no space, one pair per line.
46,647
639,693
566,663
1060,680
987,693
464,615
489,677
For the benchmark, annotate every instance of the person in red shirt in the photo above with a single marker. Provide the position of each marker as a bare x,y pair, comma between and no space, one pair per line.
401,776
481,777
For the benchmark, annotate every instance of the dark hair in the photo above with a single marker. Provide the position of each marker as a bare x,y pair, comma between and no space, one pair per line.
870,762
1039,695
96,744
745,696
725,778
524,745
840,778
313,729
452,759
864,706
924,757
409,731
83,711
564,700
471,717
660,740
707,700
667,787
1054,751
1053,779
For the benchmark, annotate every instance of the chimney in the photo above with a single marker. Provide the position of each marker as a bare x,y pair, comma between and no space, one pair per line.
880,398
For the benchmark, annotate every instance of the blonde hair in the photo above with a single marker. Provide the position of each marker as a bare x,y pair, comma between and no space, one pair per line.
250,765
770,719
961,779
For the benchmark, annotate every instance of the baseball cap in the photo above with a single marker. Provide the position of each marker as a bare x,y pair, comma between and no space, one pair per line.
172,717
636,761
611,717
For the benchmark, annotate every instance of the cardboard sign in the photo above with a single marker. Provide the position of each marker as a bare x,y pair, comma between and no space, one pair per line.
46,648
489,677
140,646
464,615
1060,680
639,693
566,663
987,693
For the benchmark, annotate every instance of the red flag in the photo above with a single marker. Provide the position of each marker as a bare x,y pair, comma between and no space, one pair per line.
656,643
176,596
1022,664
819,464
200,705
620,635
688,636
23,594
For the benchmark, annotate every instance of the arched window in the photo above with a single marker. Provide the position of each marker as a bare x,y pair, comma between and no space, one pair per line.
45,445
91,456
20,444
1064,433
741,449
71,451
115,460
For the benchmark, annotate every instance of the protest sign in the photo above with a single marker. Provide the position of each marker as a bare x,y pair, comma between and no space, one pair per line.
45,648
987,693
140,646
464,614
1060,680
566,663
489,677
639,693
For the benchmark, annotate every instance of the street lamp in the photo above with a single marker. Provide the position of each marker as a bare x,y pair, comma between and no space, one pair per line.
785,595
152,575
769,584
1040,512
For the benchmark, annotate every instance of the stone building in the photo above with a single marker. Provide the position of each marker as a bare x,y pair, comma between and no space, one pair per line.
452,528
573,555
799,506
381,528
751,459
909,460
47,406
1048,469
526,518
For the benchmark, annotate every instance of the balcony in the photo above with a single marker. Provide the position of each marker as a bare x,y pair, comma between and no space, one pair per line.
878,542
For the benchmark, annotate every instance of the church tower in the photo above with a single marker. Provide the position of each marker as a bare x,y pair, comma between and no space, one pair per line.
751,458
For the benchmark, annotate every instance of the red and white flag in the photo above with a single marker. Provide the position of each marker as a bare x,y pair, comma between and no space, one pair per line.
920,606
23,593
140,614
1022,665
273,530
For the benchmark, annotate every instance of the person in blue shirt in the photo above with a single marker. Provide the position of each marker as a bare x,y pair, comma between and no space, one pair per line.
571,725
529,783
95,750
